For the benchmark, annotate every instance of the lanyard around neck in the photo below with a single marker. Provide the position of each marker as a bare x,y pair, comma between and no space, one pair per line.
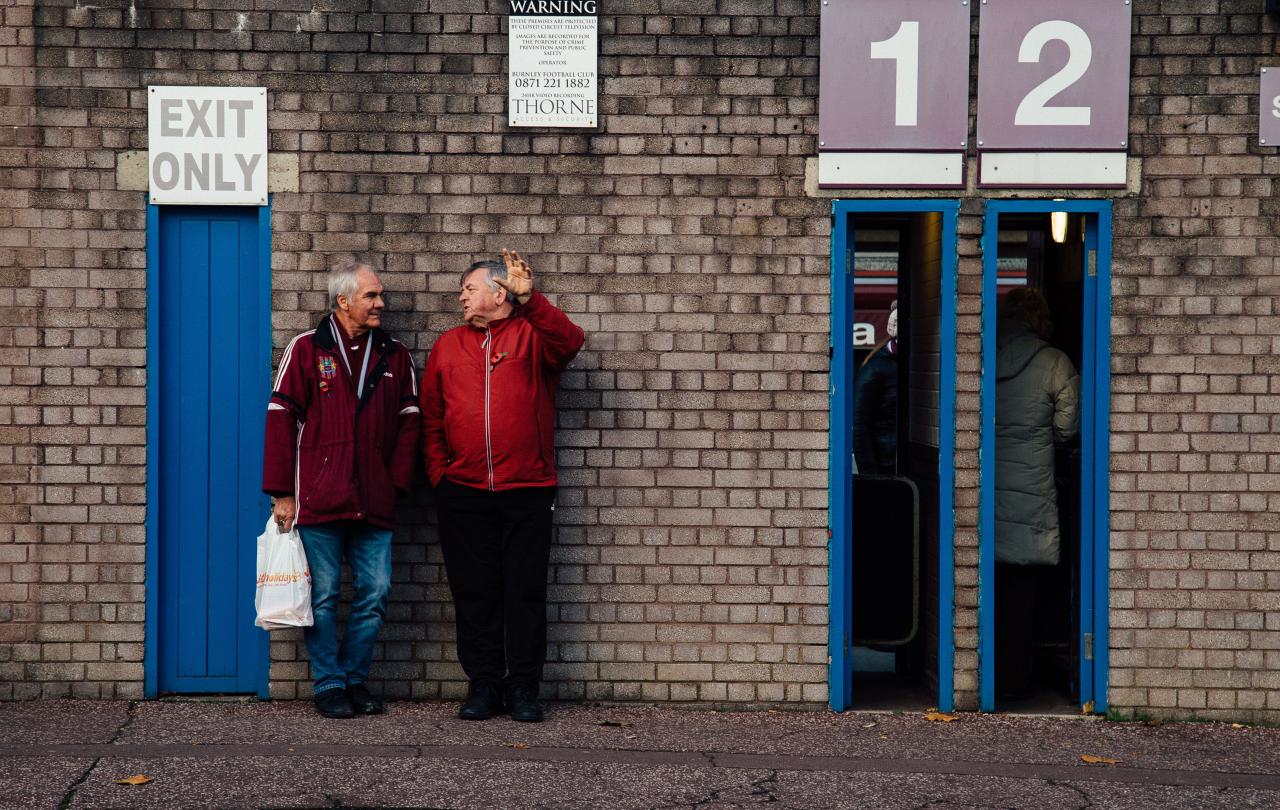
364,366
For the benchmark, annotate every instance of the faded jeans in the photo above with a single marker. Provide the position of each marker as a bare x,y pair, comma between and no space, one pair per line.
367,548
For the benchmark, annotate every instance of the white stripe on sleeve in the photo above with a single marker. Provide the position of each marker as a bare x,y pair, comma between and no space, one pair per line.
287,358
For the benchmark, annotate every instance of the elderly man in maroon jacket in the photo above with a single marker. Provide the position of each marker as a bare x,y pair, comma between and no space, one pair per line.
342,437
488,404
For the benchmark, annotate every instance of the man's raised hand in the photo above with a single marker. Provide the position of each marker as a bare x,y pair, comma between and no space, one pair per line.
519,280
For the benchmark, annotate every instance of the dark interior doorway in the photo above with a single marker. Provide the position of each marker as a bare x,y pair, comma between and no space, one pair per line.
897,268
1037,603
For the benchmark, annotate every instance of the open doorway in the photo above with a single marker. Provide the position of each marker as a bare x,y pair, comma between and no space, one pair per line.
1043,546
892,447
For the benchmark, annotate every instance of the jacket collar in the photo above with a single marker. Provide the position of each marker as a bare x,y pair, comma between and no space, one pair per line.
496,325
324,336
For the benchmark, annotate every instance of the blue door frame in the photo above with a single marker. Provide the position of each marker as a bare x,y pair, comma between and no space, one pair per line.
251,360
839,673
1093,641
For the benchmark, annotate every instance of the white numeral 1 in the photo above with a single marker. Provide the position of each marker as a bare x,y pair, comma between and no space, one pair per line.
904,48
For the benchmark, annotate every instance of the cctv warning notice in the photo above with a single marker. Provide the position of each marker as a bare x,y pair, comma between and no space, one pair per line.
552,63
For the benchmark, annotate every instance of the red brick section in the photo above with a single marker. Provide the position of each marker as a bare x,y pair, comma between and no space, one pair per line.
691,562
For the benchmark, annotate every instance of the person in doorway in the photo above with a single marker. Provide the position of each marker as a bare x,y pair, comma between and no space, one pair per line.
488,404
341,443
1037,407
875,406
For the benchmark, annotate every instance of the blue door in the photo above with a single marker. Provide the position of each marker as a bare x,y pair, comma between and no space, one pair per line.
209,361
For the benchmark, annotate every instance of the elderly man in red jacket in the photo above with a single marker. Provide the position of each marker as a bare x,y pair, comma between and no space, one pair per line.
342,437
489,411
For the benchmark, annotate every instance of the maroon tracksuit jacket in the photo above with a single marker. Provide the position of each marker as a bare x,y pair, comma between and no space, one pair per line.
343,457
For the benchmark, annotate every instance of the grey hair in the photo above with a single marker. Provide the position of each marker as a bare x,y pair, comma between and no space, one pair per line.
342,279
492,269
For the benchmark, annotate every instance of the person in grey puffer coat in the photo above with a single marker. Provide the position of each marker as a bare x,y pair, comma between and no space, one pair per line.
1037,406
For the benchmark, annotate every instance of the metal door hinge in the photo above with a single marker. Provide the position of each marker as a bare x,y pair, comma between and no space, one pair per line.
1088,646
1093,262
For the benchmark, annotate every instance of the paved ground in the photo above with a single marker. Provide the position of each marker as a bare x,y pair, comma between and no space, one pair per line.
69,754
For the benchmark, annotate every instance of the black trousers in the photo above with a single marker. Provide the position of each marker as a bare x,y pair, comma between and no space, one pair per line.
1015,625
496,549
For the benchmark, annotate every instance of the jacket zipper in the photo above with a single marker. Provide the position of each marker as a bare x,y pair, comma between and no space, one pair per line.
488,440
361,512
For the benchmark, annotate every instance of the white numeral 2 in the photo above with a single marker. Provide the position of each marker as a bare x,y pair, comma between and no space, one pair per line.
1032,111
904,48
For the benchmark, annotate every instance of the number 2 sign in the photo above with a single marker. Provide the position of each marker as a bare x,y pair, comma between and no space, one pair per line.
1053,80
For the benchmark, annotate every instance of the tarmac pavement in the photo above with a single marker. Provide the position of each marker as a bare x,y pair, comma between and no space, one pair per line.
69,754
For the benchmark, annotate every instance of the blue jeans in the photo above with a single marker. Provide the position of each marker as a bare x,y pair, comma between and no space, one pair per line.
368,552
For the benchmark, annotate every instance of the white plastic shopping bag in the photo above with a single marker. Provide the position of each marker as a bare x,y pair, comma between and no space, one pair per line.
283,598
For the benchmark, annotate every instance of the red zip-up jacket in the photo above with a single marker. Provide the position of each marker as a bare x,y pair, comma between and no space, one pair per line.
489,399
343,457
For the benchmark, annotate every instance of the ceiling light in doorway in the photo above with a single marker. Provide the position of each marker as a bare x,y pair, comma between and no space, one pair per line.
1058,226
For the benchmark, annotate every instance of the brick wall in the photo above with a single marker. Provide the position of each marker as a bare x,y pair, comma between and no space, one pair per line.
691,561
1195,534
691,555
18,323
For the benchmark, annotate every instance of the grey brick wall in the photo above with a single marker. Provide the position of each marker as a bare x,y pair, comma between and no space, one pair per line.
691,560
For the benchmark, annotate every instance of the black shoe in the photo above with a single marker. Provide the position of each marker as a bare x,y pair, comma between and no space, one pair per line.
362,701
522,703
483,702
333,703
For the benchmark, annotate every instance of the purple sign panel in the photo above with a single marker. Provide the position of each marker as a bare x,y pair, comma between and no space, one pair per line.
1053,75
894,75
1269,107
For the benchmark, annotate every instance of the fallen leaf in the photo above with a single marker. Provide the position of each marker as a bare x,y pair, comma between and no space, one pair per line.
940,717
1237,725
869,725
137,779
615,723
631,736
520,746
1097,760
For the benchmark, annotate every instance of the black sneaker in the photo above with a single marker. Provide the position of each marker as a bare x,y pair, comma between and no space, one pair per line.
483,702
522,703
362,700
333,703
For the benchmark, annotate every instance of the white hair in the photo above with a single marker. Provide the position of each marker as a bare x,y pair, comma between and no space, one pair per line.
342,279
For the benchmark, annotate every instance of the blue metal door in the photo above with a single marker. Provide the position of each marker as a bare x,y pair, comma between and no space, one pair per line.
209,375
1095,489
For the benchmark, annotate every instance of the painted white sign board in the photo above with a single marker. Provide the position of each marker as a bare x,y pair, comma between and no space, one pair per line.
552,63
1269,107
207,145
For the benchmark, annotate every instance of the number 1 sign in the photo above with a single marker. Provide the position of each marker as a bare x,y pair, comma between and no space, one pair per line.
1053,92
893,101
